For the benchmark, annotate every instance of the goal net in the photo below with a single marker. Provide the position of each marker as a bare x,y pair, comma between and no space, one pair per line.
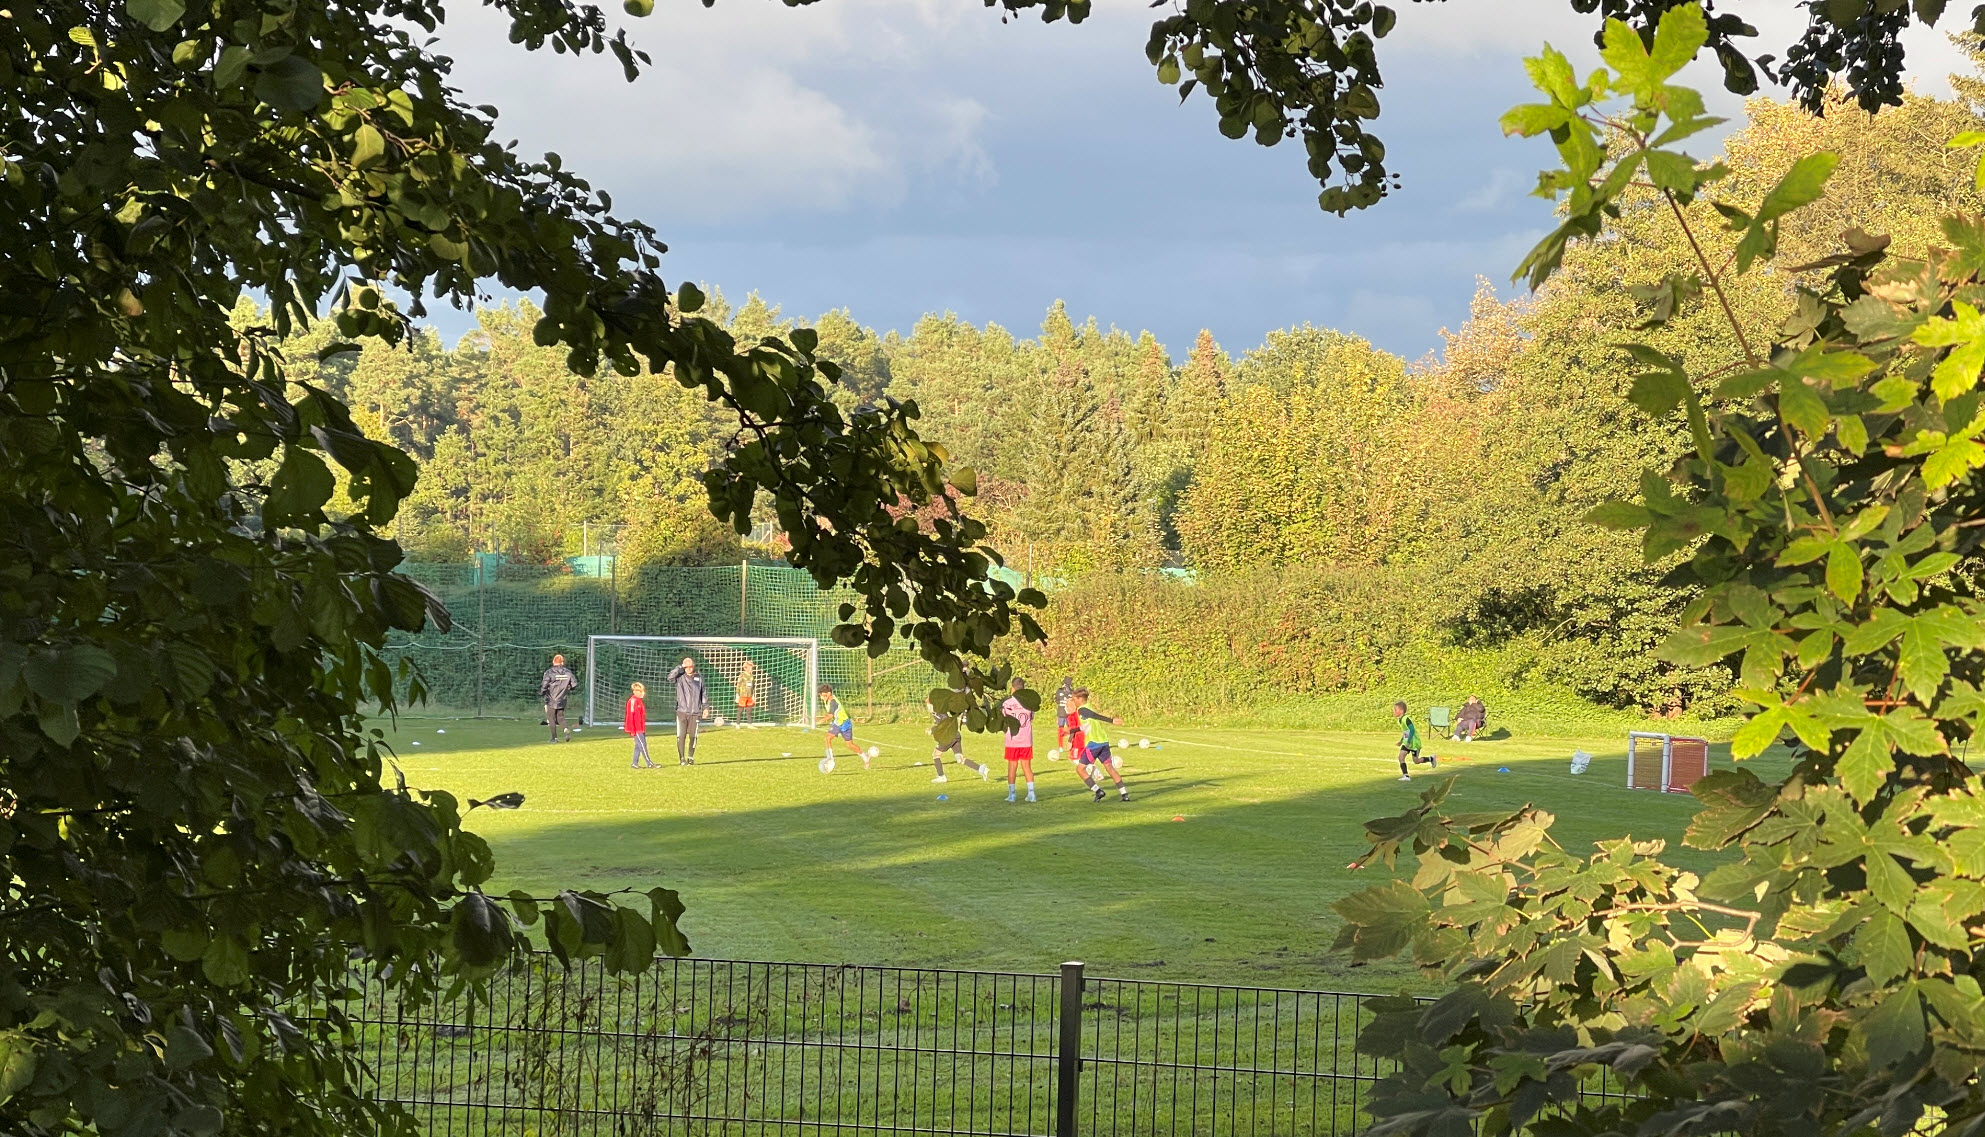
765,681
1665,762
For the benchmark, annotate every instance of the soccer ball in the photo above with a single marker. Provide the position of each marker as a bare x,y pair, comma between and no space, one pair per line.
1144,744
785,754
827,765
720,720
1123,744
416,742
875,752
1054,755
441,732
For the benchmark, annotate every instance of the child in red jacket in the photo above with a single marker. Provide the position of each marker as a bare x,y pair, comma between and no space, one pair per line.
635,722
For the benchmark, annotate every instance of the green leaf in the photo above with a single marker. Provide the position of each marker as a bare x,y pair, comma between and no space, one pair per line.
1844,573
665,910
1802,406
1883,943
299,490
1619,515
231,65
1894,1031
291,83
1384,918
225,961
1680,34
1659,392
688,298
1865,766
368,145
1802,185
68,674
17,1063
157,15
1532,119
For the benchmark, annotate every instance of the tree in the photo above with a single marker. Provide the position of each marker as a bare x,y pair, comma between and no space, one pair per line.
1823,977
200,835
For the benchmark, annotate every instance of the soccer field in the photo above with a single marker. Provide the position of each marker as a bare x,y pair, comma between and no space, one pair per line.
777,861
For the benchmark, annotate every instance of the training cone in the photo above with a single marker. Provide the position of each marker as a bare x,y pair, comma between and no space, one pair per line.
1178,817
1502,769
439,731
416,742
1354,866
944,797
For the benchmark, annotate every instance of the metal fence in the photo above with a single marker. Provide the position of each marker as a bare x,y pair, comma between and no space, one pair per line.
718,1047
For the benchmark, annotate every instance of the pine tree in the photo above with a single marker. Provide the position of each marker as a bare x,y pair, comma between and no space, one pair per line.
1197,399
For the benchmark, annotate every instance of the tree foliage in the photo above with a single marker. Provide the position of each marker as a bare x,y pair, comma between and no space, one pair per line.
1824,978
199,838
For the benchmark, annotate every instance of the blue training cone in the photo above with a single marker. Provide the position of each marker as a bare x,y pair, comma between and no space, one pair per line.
1502,769
944,797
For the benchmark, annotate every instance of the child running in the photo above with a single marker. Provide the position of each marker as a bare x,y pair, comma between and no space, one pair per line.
956,747
635,722
1087,753
1019,740
1409,742
839,723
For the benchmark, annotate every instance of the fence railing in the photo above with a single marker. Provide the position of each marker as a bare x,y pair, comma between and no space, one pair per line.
721,1047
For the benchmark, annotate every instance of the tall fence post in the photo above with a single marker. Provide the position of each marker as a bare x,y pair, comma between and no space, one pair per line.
743,597
479,633
1068,1061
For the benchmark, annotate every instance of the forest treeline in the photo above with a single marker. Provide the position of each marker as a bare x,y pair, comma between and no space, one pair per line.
1356,521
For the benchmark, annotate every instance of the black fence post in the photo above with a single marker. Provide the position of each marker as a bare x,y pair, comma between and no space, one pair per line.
1068,1061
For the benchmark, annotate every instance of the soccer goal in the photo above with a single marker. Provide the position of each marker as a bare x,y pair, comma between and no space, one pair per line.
1665,762
784,674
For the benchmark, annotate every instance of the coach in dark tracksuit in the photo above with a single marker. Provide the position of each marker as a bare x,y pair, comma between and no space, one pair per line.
692,705
557,686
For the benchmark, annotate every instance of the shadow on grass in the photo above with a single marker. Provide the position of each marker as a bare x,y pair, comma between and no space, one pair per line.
1239,890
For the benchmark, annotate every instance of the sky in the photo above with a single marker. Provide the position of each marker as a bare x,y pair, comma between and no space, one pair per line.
902,157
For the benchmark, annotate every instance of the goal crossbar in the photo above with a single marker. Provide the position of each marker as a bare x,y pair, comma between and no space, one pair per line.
750,680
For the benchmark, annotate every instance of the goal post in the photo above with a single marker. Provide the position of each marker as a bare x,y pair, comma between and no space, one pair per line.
1668,763
785,677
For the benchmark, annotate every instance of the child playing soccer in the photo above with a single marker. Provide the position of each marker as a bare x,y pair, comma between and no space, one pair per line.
1087,753
747,693
635,722
1063,694
839,723
956,747
1409,742
1019,740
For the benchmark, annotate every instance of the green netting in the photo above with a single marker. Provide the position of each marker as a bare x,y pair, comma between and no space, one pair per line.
510,619
777,680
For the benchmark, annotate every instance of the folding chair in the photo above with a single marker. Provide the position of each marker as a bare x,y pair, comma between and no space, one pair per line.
1441,719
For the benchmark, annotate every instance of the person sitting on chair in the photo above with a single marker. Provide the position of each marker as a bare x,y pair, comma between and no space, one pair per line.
1473,717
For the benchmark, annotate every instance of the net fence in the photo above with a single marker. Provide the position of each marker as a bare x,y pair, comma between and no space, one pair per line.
510,619
747,681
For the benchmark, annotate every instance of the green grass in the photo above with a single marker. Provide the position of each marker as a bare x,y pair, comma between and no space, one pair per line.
779,862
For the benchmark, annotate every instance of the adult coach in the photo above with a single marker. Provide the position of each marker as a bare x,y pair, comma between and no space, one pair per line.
692,705
556,687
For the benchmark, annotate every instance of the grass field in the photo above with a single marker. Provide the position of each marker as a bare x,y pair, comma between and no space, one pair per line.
777,861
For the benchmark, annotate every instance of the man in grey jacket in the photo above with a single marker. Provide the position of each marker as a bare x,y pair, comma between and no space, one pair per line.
556,687
692,706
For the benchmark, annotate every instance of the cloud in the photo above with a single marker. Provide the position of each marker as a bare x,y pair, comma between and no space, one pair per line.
1503,185
726,123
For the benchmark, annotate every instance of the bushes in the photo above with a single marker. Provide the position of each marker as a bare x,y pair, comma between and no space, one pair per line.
1326,647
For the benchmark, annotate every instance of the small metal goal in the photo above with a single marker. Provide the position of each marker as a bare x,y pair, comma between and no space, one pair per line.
1665,762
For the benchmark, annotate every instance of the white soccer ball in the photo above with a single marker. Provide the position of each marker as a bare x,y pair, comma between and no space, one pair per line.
441,732
416,742
918,762
1123,744
785,754
827,765
720,720
1144,744
875,752
1054,755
